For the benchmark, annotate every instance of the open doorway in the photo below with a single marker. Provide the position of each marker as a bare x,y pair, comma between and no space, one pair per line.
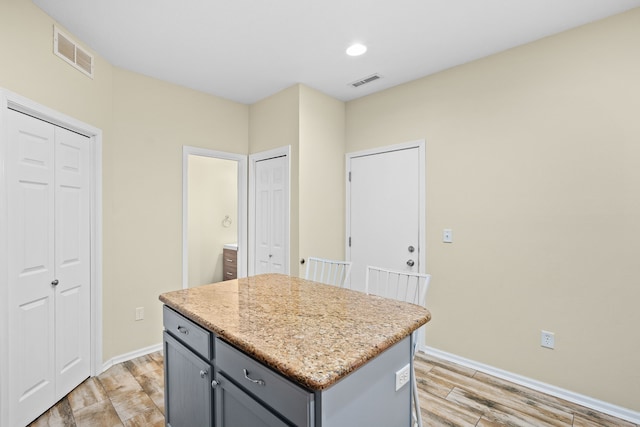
214,214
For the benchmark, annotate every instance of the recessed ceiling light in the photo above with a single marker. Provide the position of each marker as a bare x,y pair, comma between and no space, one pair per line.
356,49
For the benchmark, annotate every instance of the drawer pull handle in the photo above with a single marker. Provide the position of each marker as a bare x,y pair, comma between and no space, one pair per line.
246,375
229,273
229,260
204,373
183,330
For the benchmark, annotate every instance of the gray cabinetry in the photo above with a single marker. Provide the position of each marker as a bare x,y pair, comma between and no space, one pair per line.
188,392
188,372
273,391
236,408
211,383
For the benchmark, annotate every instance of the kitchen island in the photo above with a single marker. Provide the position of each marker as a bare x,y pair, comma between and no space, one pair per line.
277,350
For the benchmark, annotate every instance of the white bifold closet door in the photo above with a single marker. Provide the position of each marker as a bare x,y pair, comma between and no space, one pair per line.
270,205
48,181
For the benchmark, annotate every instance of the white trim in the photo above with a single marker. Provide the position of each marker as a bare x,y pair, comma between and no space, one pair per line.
253,158
579,399
242,206
131,355
19,103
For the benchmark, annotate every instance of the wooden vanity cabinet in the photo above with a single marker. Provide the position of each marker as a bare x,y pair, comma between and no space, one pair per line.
229,264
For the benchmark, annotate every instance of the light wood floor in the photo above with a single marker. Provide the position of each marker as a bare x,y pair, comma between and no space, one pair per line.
131,394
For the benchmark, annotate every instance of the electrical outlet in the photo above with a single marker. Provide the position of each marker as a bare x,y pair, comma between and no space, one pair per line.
139,313
402,377
547,339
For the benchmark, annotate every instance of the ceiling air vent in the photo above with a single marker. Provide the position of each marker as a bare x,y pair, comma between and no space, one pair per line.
66,48
365,80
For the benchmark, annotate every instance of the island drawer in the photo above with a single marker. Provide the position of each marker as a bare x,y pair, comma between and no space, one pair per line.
189,333
275,391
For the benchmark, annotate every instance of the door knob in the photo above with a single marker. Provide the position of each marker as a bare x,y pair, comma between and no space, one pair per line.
410,263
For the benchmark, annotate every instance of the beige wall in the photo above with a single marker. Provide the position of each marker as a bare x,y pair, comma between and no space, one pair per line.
29,68
213,196
313,124
274,122
533,159
143,204
145,123
321,175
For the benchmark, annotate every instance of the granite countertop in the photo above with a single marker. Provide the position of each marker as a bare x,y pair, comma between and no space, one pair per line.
312,333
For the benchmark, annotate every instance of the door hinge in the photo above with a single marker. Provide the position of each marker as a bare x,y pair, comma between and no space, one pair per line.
349,241
349,176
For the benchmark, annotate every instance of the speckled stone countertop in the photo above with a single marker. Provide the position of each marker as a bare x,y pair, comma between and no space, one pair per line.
312,333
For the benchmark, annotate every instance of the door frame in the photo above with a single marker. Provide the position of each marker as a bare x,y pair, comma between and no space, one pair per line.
241,159
10,100
421,146
253,159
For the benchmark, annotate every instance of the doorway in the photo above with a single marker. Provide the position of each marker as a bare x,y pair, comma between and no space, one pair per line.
269,207
214,213
62,231
386,210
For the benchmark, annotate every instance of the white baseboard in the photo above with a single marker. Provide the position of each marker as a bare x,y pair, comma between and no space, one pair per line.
128,356
580,399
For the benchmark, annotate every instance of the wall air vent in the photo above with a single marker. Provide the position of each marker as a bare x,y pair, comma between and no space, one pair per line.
365,80
67,49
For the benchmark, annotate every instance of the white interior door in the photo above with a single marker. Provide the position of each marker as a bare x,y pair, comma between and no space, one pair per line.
72,260
271,177
49,264
30,168
386,211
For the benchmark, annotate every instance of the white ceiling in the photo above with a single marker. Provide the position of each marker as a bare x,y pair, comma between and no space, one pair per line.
246,50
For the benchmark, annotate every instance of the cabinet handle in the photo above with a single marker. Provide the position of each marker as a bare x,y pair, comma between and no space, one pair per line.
183,330
229,260
55,282
246,375
215,383
204,373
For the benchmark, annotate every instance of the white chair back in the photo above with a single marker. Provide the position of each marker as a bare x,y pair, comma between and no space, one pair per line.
328,271
402,286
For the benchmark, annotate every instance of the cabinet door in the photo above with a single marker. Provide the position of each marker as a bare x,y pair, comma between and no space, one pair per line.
235,408
188,392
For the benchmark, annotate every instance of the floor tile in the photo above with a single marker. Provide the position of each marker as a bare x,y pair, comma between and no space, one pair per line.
118,379
86,394
100,414
142,364
59,415
152,418
128,405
